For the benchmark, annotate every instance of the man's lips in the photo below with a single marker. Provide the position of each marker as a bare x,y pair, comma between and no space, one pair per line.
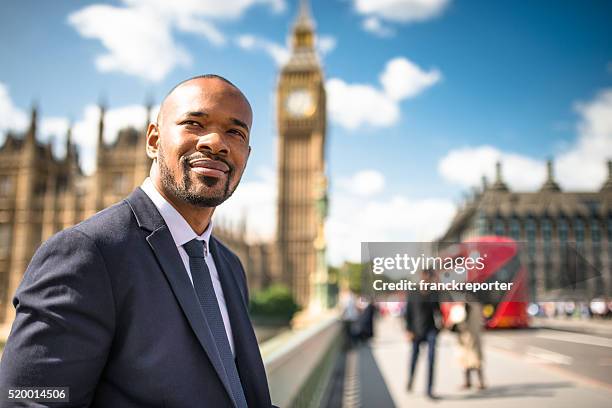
209,168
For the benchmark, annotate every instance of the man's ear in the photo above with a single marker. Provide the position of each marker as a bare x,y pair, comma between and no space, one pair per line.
247,158
152,140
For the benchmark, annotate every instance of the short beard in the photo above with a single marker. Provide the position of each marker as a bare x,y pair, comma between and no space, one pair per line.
183,192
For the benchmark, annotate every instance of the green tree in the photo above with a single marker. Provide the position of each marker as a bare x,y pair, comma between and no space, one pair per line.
274,303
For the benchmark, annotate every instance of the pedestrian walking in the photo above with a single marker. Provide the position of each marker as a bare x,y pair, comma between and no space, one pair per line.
469,331
350,320
422,312
366,326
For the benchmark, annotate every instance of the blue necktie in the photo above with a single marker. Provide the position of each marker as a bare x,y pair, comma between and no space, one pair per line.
205,292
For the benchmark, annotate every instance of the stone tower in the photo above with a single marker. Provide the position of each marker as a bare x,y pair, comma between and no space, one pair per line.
120,166
302,186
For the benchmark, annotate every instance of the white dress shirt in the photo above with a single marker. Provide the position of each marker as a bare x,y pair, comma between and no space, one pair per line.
183,233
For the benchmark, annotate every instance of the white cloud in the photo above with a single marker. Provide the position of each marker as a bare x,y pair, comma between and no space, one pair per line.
377,13
466,166
402,11
138,42
325,44
581,166
277,52
11,117
54,129
355,105
189,24
375,26
365,183
396,219
139,37
404,79
215,9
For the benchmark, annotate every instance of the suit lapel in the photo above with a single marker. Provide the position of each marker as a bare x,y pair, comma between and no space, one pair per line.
171,264
248,358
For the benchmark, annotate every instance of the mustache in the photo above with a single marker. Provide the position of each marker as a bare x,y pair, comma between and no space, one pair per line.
206,156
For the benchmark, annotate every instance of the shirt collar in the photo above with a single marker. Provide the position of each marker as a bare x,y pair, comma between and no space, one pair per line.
179,228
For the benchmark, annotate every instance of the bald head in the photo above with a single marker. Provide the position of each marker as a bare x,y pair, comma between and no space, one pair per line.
211,82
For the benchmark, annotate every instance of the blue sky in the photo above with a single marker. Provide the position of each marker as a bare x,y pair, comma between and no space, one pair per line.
471,82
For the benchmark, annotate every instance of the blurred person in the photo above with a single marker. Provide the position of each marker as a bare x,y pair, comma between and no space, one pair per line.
366,321
140,305
598,308
559,309
469,331
570,308
421,314
350,321
585,311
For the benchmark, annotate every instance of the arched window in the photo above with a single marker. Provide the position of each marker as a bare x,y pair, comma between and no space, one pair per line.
579,231
595,231
482,223
547,238
563,230
515,228
500,227
546,230
530,231
596,242
5,186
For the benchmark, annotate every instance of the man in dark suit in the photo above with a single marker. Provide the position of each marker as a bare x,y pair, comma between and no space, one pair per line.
420,316
139,306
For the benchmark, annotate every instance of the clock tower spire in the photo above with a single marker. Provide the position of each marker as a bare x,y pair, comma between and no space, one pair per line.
302,186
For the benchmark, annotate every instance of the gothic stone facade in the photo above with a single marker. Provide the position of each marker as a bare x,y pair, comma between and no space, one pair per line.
546,221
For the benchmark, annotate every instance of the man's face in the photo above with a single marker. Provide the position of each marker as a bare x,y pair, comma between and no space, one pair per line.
201,142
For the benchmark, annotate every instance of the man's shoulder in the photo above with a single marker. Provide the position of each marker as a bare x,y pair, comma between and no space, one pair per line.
112,224
110,221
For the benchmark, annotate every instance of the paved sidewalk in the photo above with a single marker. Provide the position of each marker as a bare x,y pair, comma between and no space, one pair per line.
512,380
590,326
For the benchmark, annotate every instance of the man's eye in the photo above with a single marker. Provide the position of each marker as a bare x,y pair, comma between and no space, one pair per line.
237,132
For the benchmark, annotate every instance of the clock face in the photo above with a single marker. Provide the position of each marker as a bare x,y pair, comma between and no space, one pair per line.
300,103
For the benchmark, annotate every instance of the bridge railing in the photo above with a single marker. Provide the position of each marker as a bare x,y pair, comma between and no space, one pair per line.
300,362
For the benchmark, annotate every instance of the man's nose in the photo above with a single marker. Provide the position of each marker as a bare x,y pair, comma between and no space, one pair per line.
213,142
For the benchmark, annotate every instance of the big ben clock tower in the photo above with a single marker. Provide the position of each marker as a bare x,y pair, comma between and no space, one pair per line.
302,186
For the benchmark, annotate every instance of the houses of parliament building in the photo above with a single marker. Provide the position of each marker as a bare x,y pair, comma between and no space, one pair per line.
550,225
41,194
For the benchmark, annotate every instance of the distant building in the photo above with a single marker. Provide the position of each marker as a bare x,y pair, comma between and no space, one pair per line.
546,221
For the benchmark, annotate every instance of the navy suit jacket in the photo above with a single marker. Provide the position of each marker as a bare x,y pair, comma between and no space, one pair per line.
107,309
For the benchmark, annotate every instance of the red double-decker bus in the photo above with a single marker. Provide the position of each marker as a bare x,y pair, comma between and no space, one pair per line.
501,309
